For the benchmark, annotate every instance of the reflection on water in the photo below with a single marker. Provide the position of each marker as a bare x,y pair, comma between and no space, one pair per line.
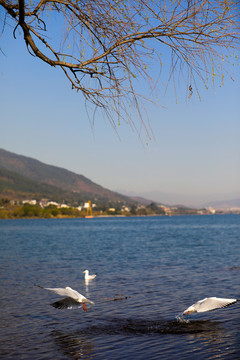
72,345
80,343
135,326
88,284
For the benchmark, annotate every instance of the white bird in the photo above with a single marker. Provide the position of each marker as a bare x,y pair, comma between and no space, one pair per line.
73,298
208,304
87,276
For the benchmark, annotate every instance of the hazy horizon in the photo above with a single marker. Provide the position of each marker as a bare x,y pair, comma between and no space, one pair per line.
191,200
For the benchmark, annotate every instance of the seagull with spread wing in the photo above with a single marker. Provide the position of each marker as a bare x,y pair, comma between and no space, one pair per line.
208,304
73,298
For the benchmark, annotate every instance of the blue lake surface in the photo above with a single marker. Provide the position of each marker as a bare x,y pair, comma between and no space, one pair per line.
161,264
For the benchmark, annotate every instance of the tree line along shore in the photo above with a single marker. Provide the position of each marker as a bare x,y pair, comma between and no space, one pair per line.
9,210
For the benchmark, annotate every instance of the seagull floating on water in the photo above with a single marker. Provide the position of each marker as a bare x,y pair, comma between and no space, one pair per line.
73,298
87,276
208,304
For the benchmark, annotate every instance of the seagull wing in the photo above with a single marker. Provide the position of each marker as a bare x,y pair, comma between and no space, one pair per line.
212,303
69,293
66,303
92,276
65,292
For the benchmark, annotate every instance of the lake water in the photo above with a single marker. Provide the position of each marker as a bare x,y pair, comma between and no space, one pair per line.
161,264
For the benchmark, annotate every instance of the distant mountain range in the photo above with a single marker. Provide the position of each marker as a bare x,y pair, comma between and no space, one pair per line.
224,204
217,201
22,177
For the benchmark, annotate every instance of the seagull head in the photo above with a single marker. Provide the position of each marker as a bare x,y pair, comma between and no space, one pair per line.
189,310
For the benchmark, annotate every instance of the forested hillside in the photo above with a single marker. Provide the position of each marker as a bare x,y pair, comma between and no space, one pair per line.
24,177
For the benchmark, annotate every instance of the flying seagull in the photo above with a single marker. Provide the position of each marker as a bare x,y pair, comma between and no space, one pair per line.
87,276
73,298
208,304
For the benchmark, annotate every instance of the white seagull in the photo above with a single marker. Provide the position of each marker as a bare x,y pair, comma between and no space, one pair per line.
208,304
87,276
73,298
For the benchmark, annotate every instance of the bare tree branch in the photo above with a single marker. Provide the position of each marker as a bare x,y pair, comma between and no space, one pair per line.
106,45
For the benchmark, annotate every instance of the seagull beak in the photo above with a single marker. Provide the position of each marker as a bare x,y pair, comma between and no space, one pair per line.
187,313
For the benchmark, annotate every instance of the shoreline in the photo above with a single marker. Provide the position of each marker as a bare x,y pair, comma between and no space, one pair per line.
110,216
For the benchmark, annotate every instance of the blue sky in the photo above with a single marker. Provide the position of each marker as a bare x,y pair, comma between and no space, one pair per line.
195,151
